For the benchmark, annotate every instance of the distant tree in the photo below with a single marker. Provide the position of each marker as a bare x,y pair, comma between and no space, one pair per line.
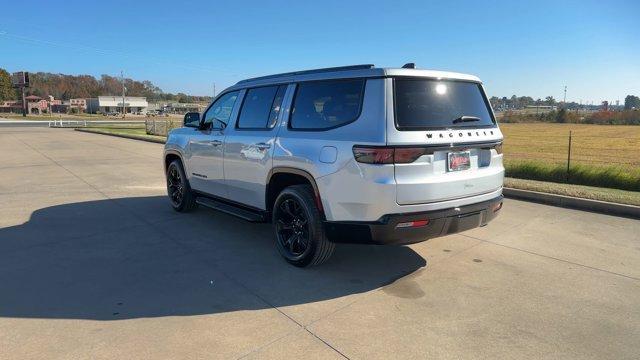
631,102
561,116
7,92
495,102
65,87
513,102
523,101
549,100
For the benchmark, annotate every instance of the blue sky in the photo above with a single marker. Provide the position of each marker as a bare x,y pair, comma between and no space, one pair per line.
523,48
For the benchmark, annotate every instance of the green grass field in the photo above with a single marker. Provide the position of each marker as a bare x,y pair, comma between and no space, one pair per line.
601,155
135,132
580,191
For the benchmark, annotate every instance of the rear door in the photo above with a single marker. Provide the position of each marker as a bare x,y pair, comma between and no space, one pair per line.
206,146
452,123
249,145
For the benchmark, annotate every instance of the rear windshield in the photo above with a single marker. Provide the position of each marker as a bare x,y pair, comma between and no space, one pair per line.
431,104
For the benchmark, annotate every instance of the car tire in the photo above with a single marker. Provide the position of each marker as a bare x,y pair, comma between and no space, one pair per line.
180,195
299,231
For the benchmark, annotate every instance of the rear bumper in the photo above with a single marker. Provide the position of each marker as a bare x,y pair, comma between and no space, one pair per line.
441,222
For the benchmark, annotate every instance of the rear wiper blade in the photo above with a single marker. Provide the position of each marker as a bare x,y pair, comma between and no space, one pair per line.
466,119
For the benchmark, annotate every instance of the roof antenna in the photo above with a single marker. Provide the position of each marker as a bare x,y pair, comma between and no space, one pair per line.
409,66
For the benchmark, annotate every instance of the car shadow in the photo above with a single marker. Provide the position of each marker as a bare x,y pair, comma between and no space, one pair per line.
135,257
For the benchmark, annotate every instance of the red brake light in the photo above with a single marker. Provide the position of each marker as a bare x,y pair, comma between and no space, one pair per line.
408,155
371,155
387,155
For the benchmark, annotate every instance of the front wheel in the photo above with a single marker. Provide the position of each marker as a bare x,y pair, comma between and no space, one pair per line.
178,189
300,236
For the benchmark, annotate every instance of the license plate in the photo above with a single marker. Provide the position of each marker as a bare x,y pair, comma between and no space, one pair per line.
459,161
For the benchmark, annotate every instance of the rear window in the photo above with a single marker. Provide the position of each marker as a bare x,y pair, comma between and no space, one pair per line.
429,103
326,104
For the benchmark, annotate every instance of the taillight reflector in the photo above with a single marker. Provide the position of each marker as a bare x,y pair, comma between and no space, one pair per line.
410,224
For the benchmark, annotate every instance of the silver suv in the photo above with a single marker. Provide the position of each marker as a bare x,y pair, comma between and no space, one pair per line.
353,154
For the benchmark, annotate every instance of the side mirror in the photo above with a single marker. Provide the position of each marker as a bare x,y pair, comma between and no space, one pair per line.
192,119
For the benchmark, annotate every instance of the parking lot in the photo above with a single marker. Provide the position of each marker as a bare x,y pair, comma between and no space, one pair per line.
94,263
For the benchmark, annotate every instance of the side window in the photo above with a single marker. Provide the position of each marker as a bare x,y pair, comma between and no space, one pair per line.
261,107
220,111
326,104
277,105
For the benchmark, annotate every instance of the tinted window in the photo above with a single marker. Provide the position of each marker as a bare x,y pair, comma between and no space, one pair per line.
261,107
425,103
220,111
277,105
326,104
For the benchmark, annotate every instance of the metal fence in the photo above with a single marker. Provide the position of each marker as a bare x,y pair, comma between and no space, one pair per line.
161,127
571,149
90,123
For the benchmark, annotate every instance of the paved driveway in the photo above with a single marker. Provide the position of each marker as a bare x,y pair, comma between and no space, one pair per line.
95,264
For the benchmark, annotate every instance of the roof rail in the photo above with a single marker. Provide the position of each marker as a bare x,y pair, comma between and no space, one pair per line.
314,71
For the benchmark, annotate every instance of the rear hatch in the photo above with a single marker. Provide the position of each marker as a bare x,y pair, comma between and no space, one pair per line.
446,140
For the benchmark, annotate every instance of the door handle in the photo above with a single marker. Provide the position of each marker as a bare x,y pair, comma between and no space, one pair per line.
263,146
215,142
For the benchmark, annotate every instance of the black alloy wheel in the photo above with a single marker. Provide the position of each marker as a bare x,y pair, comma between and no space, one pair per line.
299,229
178,189
175,187
292,227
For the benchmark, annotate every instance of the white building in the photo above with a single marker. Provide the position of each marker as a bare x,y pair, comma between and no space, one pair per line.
107,104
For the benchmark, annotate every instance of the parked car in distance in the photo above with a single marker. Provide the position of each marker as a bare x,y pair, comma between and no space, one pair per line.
353,154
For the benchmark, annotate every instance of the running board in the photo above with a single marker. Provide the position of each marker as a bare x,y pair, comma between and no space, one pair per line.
231,209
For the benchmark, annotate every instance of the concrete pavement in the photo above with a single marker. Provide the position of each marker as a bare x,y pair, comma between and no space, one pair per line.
95,264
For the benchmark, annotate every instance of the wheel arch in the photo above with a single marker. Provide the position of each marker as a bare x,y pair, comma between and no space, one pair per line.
171,155
281,177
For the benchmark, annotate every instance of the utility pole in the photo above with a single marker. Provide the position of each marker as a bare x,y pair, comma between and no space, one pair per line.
20,80
565,96
124,110
214,90
24,104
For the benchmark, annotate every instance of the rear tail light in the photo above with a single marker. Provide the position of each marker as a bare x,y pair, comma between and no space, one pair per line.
387,155
371,155
411,224
407,155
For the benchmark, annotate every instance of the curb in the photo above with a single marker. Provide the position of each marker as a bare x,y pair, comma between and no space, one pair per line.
602,207
134,137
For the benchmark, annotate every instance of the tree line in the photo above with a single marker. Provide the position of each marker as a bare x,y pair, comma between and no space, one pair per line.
625,117
66,87
519,102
